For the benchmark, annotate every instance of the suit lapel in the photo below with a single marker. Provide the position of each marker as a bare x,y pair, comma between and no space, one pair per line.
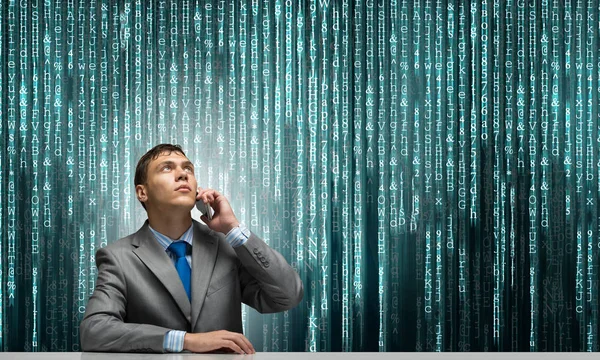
204,254
156,259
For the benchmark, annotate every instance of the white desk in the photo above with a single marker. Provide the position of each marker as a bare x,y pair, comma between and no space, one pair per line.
298,356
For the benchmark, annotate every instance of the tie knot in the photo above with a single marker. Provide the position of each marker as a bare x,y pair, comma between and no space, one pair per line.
178,248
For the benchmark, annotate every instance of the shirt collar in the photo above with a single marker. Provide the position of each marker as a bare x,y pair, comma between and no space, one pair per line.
165,241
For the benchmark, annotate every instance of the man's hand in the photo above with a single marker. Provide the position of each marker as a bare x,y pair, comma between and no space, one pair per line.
217,340
223,218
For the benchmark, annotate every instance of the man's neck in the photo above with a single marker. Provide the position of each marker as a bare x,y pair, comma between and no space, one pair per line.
172,224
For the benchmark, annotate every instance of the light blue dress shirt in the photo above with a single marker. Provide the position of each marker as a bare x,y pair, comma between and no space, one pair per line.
235,237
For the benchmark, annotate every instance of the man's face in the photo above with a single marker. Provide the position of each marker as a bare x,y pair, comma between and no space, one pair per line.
170,183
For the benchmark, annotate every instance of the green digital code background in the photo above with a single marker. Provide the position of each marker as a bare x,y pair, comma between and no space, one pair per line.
430,168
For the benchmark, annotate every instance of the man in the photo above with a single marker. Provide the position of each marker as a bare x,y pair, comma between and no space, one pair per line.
177,284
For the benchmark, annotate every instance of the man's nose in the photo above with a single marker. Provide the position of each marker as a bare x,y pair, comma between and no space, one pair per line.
182,174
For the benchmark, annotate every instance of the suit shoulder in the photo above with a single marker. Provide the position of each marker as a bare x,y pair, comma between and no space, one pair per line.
216,236
208,232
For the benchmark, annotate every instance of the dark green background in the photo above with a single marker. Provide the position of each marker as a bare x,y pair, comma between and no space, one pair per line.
430,168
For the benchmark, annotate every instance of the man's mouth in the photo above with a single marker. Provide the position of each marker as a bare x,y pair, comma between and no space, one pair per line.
184,188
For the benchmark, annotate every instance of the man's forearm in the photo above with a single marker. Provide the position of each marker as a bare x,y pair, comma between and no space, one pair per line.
269,284
104,333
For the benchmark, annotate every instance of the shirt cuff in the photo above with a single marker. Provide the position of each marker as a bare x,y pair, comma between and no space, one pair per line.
238,235
174,341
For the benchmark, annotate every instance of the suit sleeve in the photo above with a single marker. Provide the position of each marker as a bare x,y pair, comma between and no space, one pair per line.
269,284
103,328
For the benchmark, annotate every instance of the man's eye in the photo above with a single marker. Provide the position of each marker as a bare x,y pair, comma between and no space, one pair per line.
190,169
166,167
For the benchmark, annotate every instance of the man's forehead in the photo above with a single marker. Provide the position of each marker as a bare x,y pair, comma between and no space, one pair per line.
173,156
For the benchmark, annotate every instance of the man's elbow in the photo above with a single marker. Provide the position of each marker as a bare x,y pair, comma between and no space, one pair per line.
90,334
294,297
85,336
298,294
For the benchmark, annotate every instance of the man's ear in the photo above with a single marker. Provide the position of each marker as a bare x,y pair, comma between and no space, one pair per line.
141,193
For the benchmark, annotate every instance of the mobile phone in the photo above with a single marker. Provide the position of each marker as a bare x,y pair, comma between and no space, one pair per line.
205,209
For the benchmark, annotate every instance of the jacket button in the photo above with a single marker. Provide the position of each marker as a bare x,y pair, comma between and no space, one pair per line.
255,250
266,264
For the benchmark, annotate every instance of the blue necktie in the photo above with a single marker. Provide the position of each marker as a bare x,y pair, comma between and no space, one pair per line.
181,265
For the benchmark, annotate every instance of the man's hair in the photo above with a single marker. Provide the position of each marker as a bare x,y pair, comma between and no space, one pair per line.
141,170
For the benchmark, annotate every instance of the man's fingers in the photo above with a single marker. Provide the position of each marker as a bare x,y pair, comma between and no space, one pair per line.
220,340
240,340
249,344
208,195
244,344
233,346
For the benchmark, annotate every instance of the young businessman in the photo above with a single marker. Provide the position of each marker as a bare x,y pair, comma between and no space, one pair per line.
177,284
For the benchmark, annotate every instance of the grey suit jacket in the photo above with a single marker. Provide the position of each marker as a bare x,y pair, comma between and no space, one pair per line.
139,297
